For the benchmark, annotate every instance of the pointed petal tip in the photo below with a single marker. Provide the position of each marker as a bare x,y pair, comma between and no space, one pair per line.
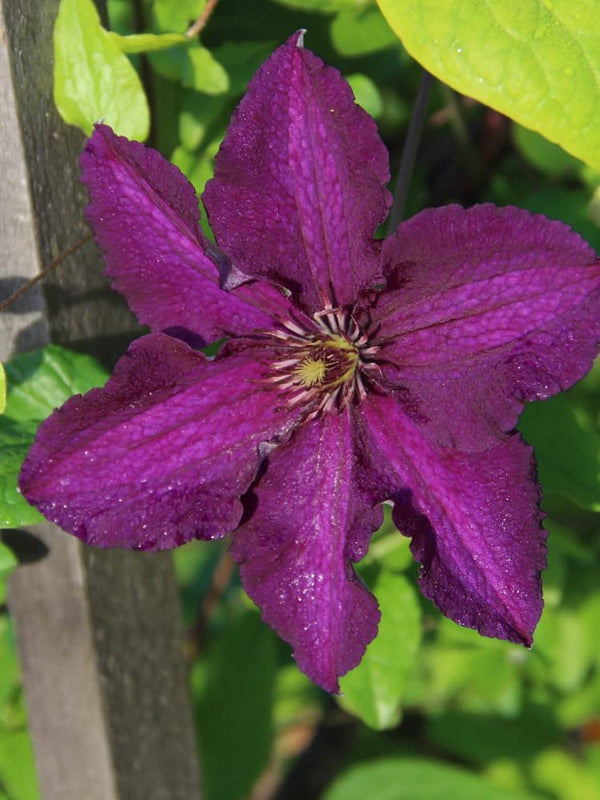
299,36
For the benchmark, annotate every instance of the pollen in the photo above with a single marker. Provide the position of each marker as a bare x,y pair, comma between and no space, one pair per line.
311,371
323,366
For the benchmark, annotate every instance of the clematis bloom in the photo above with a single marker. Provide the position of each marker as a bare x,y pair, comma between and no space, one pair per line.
355,371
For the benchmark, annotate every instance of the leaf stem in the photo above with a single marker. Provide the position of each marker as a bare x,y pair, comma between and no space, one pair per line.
55,261
202,19
409,153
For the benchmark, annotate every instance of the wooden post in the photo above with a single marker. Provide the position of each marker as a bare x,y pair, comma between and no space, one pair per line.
99,632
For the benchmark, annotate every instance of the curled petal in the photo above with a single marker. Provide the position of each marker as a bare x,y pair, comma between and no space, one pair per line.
487,308
161,454
474,519
145,215
299,184
309,520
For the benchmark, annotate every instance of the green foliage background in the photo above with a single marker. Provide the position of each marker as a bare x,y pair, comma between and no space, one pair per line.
434,710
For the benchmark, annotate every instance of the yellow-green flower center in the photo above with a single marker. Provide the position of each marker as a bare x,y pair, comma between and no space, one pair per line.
321,368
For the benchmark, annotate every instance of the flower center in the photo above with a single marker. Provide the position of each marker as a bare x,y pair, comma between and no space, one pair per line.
323,368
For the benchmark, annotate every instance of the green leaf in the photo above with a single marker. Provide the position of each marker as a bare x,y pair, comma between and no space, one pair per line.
93,79
17,768
544,155
356,33
15,441
194,66
176,15
373,690
562,775
147,42
324,6
43,379
8,562
567,452
205,73
415,779
37,383
366,93
535,61
2,389
234,687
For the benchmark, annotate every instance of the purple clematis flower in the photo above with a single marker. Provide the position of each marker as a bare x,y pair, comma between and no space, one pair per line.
356,371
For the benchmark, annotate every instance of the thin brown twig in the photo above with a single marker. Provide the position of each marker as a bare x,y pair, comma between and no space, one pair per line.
202,19
45,270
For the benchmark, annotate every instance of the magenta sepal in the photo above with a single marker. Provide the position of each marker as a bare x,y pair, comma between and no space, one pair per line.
474,519
299,184
162,453
356,372
312,519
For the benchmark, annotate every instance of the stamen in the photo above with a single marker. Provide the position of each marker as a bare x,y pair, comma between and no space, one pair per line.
321,367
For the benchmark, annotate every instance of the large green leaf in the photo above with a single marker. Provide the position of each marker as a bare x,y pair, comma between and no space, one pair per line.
38,382
43,379
374,689
567,452
234,686
415,779
93,79
534,60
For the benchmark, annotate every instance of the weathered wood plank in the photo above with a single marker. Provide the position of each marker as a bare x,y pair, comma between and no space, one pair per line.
99,632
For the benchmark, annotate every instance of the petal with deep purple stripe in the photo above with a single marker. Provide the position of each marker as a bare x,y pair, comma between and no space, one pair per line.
299,184
145,216
162,453
310,518
474,519
487,308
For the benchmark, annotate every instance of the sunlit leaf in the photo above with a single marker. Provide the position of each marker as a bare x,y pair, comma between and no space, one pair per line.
37,383
175,15
43,379
2,389
564,776
325,6
17,770
93,79
194,66
373,690
535,61
414,779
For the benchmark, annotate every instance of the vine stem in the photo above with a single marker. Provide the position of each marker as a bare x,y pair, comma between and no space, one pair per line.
202,19
409,153
44,271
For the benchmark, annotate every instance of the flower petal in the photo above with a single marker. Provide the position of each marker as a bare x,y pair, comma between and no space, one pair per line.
489,307
310,519
161,454
145,215
474,519
299,184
